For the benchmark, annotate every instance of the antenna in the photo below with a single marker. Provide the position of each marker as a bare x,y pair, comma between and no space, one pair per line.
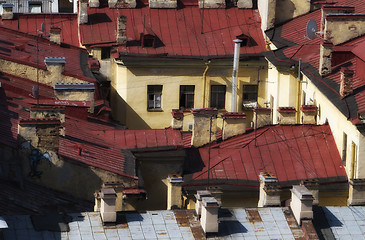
312,29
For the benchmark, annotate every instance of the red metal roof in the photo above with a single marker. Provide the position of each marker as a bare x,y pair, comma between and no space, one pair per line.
31,23
290,152
179,30
143,140
294,46
22,48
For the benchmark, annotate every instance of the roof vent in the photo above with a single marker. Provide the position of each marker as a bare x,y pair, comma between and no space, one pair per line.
148,40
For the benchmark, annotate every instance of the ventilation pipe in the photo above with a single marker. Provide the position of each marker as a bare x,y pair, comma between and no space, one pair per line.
236,60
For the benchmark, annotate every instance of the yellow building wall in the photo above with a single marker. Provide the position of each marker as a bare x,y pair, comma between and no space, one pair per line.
129,89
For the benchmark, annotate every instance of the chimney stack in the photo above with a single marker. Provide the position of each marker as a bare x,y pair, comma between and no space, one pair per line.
212,4
262,117
301,203
346,88
122,3
94,3
356,192
177,119
325,58
269,190
204,126
7,11
163,3
199,197
234,123
107,207
55,35
122,30
309,114
174,191
313,186
55,67
209,217
244,4
83,17
287,115
43,133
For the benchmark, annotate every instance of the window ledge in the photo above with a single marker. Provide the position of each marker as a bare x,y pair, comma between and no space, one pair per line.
155,110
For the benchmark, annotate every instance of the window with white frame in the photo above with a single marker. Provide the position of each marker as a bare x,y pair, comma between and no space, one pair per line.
154,95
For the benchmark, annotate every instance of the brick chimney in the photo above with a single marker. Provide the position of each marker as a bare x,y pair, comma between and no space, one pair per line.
313,186
262,117
212,4
234,123
50,112
209,217
94,3
309,114
177,119
82,16
55,35
55,67
346,88
340,28
199,197
7,11
174,199
122,3
122,30
204,126
107,205
42,133
75,92
287,115
301,203
269,190
244,4
163,3
325,58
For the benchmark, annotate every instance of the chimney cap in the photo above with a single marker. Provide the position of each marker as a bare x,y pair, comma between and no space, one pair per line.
210,202
262,109
202,193
50,60
108,193
346,70
267,177
302,192
7,5
308,108
211,111
177,113
286,109
175,178
234,115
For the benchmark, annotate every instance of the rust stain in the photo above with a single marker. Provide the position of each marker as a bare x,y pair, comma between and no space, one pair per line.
162,233
253,215
297,232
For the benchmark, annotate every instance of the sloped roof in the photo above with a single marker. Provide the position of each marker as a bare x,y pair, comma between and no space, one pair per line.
22,48
290,152
292,45
179,31
31,23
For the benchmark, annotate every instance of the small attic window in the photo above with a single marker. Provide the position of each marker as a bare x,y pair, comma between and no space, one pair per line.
148,40
246,40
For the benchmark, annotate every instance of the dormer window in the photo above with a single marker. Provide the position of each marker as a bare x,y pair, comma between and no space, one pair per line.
148,40
246,40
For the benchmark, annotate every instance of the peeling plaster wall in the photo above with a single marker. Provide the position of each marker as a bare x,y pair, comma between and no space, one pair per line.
29,72
341,30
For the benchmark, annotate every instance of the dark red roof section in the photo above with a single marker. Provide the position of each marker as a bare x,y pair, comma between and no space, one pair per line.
290,152
143,140
179,31
293,45
31,23
22,48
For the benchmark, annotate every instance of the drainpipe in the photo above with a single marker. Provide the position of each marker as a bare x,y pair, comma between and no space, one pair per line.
205,81
236,60
299,88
